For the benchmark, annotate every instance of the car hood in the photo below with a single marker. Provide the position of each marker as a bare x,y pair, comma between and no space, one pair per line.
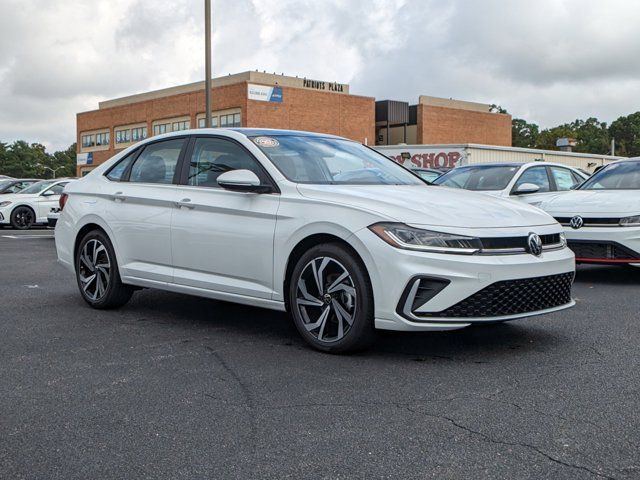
432,205
594,202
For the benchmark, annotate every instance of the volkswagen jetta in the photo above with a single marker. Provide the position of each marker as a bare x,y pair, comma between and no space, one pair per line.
342,237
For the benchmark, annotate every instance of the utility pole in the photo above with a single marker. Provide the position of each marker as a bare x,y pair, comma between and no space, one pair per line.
207,63
613,146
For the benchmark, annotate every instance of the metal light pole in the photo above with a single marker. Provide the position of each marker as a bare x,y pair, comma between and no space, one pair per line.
207,63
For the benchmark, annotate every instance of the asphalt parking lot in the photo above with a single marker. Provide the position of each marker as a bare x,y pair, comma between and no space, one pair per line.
179,387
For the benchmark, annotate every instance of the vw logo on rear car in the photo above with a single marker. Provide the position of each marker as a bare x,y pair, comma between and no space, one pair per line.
535,244
576,222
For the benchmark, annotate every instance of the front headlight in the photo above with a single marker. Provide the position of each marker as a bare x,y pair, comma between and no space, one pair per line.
563,239
400,235
4,204
624,222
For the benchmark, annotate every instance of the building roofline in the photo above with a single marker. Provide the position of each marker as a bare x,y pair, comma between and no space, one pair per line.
511,149
252,76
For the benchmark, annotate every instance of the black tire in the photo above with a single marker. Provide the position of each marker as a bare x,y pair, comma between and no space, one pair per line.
351,298
22,218
115,294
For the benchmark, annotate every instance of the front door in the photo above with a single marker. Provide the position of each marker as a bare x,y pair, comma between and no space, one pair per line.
539,176
47,200
223,240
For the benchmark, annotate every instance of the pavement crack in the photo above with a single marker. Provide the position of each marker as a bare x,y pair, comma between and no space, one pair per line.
536,449
246,395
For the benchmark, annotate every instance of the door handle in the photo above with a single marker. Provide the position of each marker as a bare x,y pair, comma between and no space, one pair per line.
118,196
186,203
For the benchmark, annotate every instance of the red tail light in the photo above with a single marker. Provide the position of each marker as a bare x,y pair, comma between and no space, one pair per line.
63,200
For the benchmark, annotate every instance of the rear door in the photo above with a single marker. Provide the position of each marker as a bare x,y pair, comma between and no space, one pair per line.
141,200
223,240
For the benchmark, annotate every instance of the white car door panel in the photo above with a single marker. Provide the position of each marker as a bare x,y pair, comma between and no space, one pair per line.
142,208
538,176
232,250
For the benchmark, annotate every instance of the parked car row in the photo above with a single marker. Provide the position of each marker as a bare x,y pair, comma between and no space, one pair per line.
344,239
31,205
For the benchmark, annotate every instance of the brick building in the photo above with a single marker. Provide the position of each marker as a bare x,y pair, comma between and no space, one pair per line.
255,99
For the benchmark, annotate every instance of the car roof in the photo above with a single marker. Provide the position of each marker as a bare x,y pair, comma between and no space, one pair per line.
516,164
251,132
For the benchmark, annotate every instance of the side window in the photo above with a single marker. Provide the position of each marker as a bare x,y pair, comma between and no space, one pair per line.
157,162
564,178
116,173
213,156
56,189
536,175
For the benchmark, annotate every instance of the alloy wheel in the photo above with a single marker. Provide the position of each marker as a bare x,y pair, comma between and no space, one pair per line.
94,269
326,299
23,218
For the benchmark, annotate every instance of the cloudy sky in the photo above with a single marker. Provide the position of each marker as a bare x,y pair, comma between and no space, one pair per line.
549,61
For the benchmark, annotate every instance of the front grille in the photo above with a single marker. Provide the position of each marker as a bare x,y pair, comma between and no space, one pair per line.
602,251
588,222
507,243
512,297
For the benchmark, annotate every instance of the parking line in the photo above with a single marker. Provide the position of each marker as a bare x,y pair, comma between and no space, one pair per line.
16,237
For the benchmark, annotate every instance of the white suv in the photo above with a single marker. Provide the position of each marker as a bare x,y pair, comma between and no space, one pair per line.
321,226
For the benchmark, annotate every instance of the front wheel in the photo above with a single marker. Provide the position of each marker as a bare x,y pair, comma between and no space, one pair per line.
22,218
97,273
331,300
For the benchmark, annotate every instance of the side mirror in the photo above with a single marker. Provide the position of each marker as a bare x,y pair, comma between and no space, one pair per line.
48,193
242,181
526,188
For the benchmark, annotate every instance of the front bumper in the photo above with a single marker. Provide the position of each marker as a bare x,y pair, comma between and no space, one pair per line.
605,245
394,270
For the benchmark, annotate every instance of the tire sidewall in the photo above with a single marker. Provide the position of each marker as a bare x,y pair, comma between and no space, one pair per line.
361,332
113,273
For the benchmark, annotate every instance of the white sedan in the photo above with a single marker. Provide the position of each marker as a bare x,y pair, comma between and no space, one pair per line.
321,226
31,206
602,217
531,182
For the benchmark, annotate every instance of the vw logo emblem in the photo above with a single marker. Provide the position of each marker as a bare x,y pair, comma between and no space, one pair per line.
535,244
576,222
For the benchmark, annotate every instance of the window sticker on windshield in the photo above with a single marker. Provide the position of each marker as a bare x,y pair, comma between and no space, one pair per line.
266,141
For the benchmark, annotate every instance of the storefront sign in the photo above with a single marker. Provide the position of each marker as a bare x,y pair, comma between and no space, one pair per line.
264,93
318,85
84,158
424,157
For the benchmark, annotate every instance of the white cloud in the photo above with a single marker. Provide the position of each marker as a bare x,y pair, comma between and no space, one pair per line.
549,61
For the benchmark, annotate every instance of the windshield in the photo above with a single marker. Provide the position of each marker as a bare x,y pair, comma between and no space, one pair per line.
617,176
37,187
320,160
4,184
478,177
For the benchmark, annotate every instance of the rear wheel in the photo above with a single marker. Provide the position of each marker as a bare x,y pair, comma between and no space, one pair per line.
97,273
22,218
331,300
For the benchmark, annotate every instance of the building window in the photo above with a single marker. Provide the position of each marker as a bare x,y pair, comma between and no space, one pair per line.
231,120
139,133
160,128
202,121
88,141
123,136
177,126
102,139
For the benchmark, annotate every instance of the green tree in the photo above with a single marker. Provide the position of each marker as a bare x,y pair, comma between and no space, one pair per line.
591,135
626,132
23,160
548,136
524,134
67,160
